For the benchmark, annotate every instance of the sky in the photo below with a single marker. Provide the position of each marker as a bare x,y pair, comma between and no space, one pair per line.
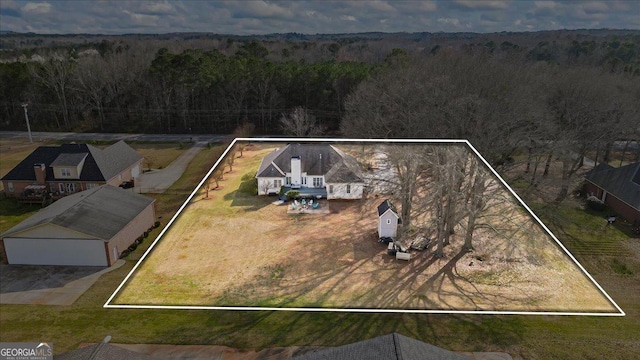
245,17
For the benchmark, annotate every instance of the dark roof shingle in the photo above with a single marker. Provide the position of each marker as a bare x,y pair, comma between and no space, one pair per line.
622,182
388,347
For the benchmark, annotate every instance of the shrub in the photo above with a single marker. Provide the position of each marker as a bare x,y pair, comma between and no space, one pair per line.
132,247
145,234
595,203
156,224
292,194
124,254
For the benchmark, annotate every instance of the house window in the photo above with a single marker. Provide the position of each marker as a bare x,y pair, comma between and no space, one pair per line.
277,183
52,187
304,180
65,172
10,187
61,187
287,180
71,187
330,189
388,221
91,186
348,189
317,182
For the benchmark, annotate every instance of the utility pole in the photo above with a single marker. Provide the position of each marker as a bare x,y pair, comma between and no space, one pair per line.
26,118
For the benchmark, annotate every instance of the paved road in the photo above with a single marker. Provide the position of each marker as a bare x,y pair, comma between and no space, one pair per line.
113,137
158,181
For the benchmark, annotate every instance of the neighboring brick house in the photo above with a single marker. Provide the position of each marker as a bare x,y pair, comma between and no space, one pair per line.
618,188
70,168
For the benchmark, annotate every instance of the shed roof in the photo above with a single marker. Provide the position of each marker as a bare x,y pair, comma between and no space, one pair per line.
622,182
99,165
388,347
386,205
100,212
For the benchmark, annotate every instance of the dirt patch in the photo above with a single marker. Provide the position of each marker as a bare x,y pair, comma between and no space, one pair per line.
255,254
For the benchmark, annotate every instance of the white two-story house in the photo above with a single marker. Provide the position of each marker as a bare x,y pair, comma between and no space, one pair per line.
315,170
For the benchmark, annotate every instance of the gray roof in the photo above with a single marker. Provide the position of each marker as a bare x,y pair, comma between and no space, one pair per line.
115,158
66,159
99,212
99,165
316,159
622,182
386,205
388,347
102,352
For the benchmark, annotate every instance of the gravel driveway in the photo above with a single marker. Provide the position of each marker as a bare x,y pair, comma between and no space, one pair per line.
158,181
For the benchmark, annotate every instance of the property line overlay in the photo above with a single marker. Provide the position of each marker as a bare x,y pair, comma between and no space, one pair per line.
108,304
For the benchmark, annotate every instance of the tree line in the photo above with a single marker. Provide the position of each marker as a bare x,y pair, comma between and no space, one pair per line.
211,84
193,91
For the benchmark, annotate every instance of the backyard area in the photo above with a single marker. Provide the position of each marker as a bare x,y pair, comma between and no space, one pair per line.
238,249
523,337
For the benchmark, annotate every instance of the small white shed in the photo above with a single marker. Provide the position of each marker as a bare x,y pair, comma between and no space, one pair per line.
388,220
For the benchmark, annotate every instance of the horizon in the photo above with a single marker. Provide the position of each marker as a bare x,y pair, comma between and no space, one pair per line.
260,18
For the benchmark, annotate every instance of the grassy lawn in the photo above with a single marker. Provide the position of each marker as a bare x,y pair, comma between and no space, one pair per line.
527,337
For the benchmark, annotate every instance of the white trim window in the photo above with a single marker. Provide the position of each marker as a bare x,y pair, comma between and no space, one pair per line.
65,171
71,187
304,180
61,188
10,187
317,182
330,189
287,180
91,185
388,221
277,183
348,188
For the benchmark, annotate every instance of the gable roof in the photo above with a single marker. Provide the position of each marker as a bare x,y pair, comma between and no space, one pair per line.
100,212
386,205
99,165
622,182
388,347
316,159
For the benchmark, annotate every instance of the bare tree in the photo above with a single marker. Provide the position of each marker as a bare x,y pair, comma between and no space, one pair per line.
300,123
56,75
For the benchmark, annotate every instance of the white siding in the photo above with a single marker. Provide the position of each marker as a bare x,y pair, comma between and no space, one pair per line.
272,187
340,191
28,251
388,224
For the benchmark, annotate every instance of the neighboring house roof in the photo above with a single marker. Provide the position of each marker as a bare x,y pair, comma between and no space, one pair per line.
102,351
316,159
622,182
99,165
65,159
100,212
388,347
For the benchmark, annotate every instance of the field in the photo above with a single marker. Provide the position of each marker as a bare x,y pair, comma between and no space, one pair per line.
524,337
238,249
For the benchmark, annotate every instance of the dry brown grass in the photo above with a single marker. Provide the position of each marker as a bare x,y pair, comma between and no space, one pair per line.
237,249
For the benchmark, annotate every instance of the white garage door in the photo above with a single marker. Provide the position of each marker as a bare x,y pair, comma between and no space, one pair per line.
27,251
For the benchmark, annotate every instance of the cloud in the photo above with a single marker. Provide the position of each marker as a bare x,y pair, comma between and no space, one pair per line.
306,16
38,8
482,4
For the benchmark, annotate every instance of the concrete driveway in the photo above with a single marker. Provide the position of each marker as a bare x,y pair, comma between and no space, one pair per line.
48,285
158,181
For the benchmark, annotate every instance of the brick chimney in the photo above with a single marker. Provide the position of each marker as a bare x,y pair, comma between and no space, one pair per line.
41,173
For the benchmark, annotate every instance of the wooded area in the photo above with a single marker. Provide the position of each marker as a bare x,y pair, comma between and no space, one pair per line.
205,83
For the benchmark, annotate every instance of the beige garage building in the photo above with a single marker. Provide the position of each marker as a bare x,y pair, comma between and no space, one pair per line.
89,228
